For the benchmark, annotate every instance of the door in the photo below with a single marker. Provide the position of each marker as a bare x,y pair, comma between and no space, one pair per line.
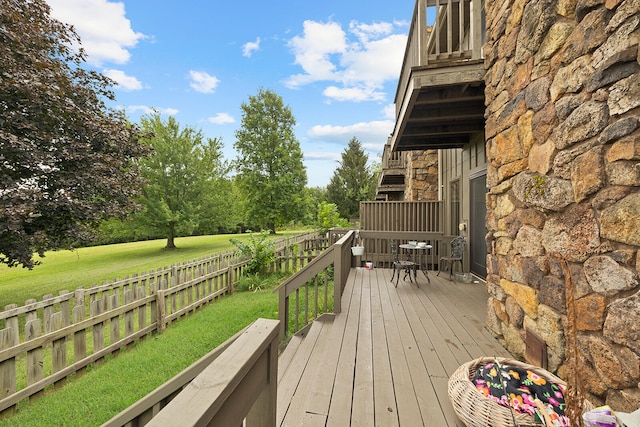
477,225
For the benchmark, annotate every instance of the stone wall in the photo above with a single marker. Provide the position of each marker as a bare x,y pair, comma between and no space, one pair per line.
421,179
563,144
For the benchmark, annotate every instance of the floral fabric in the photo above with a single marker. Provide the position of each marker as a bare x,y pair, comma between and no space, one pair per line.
517,388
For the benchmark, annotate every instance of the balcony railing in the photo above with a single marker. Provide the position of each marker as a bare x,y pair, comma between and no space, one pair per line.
442,33
392,159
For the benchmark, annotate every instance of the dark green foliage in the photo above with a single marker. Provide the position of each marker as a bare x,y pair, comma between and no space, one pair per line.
352,182
66,161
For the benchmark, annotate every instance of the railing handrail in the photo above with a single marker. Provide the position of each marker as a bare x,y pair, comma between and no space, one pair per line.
332,255
240,383
157,399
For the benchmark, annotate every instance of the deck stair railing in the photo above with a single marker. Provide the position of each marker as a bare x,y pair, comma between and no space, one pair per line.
235,382
306,294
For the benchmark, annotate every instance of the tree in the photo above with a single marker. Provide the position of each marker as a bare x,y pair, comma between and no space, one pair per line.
269,163
182,176
66,161
352,181
328,217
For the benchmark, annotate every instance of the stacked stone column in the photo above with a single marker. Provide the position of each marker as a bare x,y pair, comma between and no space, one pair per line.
563,144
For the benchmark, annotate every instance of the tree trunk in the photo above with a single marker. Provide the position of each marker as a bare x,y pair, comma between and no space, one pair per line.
171,237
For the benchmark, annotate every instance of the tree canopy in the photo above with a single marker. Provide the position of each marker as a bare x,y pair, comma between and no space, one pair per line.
66,161
352,182
186,185
269,162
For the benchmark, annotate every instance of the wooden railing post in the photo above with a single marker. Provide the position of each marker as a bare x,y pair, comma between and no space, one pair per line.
283,311
161,310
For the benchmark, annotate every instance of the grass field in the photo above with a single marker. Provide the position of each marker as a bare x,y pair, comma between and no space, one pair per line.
69,270
108,388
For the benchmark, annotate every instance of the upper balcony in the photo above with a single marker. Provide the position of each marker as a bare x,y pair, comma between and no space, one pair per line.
391,177
440,95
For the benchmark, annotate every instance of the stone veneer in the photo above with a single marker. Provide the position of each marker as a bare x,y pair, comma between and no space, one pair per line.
421,179
563,145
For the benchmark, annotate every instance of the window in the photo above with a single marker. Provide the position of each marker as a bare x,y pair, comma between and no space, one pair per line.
454,206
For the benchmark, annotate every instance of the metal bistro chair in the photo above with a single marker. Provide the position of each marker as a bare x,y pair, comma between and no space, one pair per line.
457,249
406,266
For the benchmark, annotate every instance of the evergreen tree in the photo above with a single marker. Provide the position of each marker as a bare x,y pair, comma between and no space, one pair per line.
352,182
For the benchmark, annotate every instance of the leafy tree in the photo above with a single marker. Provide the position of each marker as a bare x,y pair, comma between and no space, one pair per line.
352,181
65,159
184,174
329,217
269,164
314,196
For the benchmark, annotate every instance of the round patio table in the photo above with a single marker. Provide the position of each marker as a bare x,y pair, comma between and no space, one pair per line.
414,251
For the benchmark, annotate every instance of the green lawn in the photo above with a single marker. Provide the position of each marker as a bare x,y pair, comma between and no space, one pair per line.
108,388
69,270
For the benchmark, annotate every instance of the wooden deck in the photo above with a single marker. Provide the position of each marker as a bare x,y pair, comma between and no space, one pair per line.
386,359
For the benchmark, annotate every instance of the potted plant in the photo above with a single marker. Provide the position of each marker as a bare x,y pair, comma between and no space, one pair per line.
357,249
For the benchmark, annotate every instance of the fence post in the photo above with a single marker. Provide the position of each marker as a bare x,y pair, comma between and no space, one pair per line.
7,367
160,310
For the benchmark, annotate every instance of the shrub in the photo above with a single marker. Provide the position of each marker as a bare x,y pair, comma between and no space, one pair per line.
259,249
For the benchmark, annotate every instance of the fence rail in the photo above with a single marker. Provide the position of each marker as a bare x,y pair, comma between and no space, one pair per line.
415,216
42,342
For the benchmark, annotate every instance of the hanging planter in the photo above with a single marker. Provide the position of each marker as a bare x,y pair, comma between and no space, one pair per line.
358,249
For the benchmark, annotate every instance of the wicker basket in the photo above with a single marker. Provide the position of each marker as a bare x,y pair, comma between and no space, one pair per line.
474,409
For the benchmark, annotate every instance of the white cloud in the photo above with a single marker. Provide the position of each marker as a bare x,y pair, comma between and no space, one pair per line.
389,111
355,94
250,47
322,155
373,135
104,30
144,109
366,32
358,62
203,82
124,81
221,119
313,51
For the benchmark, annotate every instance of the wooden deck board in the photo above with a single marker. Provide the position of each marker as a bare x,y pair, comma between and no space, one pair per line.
386,359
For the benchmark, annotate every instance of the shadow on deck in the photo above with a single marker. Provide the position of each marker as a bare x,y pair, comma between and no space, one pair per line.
386,359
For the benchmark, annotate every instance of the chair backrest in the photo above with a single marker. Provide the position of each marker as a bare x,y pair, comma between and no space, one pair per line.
457,247
394,250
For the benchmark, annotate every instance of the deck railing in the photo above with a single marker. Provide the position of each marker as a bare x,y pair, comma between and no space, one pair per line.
392,159
306,294
42,342
418,216
237,381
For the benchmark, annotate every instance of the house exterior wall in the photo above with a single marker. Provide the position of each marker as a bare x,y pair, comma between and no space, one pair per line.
458,166
421,178
563,145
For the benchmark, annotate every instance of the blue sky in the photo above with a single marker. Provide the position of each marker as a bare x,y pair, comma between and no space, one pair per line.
334,63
